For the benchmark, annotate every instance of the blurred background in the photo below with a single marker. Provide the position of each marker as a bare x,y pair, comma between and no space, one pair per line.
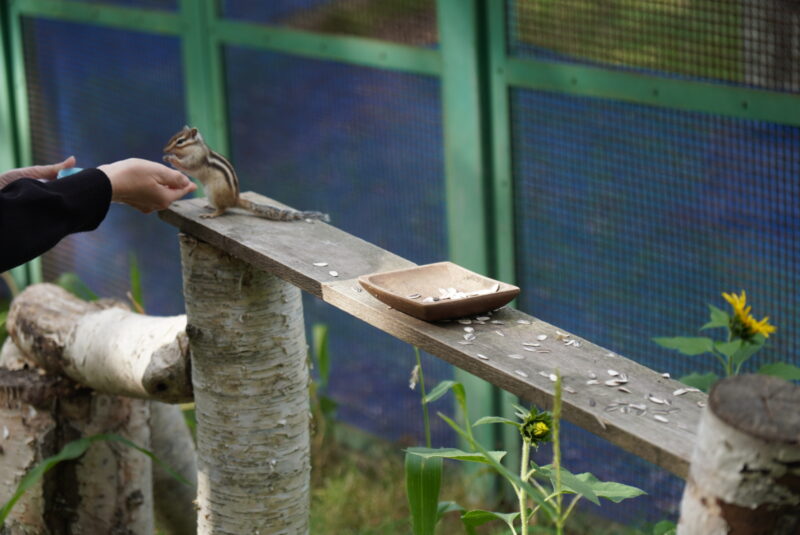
624,162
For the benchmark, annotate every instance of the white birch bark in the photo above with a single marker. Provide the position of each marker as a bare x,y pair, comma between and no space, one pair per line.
250,377
101,345
745,471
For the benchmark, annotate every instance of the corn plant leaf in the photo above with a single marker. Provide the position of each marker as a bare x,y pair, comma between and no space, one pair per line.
455,454
423,481
703,381
719,318
442,388
319,335
478,517
784,370
74,285
447,507
665,527
688,345
135,274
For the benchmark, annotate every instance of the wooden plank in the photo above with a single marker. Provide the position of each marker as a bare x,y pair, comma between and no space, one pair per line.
290,249
287,249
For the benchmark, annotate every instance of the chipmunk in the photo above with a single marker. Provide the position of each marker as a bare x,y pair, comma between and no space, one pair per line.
186,151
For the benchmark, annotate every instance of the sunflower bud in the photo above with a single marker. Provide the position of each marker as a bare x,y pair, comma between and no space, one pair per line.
536,427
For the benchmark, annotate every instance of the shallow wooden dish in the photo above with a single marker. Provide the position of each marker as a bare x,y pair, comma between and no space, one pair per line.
397,288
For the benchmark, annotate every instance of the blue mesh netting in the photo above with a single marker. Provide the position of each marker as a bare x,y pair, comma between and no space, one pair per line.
410,22
365,146
103,95
632,218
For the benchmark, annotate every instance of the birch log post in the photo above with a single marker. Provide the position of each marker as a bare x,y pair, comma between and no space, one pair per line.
250,379
102,345
745,472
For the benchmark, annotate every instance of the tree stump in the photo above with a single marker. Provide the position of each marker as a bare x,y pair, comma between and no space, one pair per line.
250,380
745,472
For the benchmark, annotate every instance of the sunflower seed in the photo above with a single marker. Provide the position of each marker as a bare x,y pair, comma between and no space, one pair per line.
497,322
320,264
543,351
665,375
685,390
465,321
592,375
657,400
465,342
592,382
638,406
624,389
612,407
527,348
544,373
553,377
570,390
428,300
482,318
469,329
610,354
358,289
613,373
469,337
499,333
415,296
482,356
701,404
333,273
515,356
542,337
662,419
521,373
613,382
523,322
531,344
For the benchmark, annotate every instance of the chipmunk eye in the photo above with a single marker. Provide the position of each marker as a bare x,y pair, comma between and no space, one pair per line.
181,140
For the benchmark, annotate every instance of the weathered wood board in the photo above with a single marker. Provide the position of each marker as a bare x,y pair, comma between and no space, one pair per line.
642,415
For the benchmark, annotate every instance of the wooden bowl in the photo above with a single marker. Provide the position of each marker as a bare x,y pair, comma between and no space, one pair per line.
438,291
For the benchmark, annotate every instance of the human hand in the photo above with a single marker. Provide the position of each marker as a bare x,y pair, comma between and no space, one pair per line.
146,185
47,172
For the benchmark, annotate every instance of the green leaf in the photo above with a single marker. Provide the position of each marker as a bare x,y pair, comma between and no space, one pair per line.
703,381
478,517
136,280
455,454
728,348
442,388
497,420
665,527
688,345
748,349
784,370
719,318
423,481
533,493
74,285
70,451
610,490
569,481
319,336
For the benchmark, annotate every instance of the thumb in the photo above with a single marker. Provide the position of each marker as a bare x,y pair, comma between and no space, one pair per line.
49,171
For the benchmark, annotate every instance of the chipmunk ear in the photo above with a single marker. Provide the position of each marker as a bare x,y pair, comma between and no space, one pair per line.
192,132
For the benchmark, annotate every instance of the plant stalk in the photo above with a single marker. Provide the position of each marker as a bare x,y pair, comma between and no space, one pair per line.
524,475
425,418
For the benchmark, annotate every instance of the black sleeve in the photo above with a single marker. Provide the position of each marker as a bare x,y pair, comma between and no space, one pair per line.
35,216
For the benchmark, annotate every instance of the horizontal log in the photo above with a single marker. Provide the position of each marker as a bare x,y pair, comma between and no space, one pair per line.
645,417
102,345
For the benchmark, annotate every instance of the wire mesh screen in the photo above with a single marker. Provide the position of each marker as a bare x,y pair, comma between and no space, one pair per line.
752,42
631,219
105,95
166,5
411,22
365,146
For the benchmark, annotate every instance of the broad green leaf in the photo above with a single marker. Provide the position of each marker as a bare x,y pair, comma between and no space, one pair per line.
784,370
747,350
533,493
703,381
455,454
610,490
423,481
719,318
497,420
665,527
478,517
74,285
319,335
136,280
447,507
569,481
728,348
688,345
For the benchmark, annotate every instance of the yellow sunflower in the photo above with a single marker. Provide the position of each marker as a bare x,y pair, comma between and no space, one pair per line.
743,324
